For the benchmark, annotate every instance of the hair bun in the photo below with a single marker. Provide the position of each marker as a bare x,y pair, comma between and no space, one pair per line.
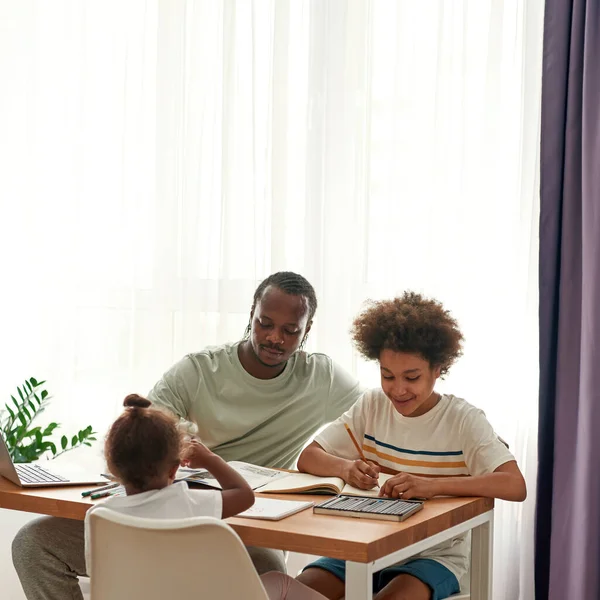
135,401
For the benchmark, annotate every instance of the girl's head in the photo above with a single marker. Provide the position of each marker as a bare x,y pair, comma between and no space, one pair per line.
415,341
143,446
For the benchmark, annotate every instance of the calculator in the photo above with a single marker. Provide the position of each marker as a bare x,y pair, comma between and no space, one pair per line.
386,509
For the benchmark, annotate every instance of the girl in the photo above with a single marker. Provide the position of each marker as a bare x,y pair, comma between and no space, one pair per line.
433,444
144,448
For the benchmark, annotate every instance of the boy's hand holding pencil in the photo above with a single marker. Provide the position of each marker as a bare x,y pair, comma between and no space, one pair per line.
361,473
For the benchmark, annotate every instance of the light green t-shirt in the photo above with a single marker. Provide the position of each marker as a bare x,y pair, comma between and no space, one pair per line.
265,422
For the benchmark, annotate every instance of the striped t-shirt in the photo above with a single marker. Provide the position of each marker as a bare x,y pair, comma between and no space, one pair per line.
453,439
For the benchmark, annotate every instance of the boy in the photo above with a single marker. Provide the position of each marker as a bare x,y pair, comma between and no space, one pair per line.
433,444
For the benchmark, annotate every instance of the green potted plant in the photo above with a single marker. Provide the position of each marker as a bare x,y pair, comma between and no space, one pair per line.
27,443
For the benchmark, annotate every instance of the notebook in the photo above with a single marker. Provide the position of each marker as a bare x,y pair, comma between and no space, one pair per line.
274,510
303,483
385,509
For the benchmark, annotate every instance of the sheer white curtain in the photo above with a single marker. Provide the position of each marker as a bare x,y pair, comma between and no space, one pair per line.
159,157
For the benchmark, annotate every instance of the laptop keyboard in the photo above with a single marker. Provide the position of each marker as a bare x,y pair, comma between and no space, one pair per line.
34,474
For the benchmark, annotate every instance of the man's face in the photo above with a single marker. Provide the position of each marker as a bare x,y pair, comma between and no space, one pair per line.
279,324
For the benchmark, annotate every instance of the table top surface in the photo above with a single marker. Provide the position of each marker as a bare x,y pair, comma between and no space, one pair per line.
361,540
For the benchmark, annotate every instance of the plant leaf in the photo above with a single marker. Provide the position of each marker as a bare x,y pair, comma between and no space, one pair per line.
20,393
44,394
33,382
49,429
74,441
32,432
15,402
28,386
63,442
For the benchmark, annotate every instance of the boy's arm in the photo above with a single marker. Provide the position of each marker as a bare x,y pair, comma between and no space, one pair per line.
505,483
316,461
237,495
493,470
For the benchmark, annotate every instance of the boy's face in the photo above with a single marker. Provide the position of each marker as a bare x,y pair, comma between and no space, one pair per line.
408,381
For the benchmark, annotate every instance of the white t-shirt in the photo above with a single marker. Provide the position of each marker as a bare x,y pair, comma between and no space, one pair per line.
453,439
175,501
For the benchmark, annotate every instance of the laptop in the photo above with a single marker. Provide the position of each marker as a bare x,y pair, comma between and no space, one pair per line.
34,475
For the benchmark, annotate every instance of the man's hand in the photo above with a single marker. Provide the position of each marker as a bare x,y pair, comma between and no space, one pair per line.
196,455
361,474
407,486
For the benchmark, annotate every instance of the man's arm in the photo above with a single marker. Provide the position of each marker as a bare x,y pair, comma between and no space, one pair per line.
176,391
344,391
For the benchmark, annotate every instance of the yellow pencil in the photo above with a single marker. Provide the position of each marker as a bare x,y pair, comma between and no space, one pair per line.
360,452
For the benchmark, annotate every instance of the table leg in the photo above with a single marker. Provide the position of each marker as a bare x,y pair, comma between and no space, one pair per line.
481,560
359,581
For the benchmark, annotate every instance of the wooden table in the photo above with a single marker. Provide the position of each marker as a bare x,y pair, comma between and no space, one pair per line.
367,545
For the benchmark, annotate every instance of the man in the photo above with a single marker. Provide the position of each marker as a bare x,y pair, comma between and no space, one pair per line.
259,400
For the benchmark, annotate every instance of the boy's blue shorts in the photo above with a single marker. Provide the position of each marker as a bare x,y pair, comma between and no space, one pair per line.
442,581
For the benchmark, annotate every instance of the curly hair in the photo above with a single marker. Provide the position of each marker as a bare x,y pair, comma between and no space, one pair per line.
142,444
411,324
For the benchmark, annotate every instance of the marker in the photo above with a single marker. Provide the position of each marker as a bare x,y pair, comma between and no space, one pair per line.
110,486
111,492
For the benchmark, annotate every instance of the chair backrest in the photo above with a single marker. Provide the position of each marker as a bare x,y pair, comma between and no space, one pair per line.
154,559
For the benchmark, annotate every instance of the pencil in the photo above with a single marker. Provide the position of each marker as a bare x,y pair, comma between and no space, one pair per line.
358,448
360,452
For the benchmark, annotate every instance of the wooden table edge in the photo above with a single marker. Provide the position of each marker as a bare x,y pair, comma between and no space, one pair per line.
15,498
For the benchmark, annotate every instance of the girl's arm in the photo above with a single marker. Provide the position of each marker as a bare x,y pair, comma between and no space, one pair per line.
237,495
358,473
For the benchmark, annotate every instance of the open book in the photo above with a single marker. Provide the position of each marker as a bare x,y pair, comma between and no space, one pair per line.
255,476
303,483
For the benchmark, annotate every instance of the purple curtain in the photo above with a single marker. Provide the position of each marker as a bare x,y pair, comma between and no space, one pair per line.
568,507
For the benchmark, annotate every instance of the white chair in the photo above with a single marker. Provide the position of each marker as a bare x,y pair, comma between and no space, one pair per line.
154,559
